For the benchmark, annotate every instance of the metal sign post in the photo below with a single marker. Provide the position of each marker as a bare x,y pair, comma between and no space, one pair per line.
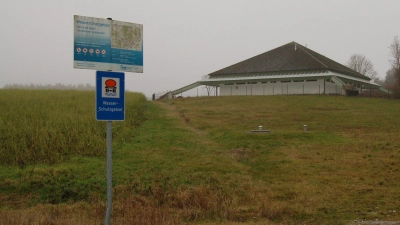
110,106
109,173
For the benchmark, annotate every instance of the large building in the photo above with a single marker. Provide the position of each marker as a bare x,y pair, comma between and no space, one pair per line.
286,70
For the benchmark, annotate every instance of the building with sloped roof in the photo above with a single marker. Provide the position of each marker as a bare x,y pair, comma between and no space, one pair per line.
287,70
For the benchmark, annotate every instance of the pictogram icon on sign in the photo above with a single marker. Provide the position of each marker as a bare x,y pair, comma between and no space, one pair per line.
111,86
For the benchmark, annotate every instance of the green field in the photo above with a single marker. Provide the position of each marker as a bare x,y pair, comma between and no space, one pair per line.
193,160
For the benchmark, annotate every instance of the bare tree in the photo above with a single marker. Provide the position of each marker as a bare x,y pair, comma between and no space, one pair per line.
209,89
391,82
361,64
395,60
390,79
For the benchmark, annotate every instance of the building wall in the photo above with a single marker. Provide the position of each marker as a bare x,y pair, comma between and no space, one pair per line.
291,87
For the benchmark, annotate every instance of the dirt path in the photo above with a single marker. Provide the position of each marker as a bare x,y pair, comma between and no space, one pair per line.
173,112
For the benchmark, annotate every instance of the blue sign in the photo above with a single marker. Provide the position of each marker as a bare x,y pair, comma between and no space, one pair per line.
110,96
108,45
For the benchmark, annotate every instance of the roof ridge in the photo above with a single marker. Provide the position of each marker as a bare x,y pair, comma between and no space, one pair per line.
302,48
285,58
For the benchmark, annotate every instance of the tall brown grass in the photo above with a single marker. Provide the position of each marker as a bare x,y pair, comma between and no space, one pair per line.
48,126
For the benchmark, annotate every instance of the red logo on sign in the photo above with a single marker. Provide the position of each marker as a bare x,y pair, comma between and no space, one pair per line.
110,83
110,86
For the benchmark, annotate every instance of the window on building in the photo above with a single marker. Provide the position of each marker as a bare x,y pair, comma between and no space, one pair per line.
311,80
286,81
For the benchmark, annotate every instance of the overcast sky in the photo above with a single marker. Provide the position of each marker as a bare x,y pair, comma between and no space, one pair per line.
185,39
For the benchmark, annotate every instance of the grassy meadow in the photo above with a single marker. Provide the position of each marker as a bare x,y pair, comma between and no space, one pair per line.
193,160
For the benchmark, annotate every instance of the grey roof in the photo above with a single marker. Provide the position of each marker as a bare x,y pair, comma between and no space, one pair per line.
289,57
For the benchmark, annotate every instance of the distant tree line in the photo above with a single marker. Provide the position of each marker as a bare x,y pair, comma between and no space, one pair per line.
58,86
363,65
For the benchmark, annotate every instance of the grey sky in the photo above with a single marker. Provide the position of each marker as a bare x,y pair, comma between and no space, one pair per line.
184,39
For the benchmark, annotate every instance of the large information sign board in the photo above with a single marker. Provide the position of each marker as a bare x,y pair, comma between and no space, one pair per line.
110,96
108,45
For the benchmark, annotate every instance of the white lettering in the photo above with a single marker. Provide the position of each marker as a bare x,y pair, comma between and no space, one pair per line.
108,109
110,103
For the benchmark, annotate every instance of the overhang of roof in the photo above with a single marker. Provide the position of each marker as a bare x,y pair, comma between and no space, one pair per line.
287,58
215,80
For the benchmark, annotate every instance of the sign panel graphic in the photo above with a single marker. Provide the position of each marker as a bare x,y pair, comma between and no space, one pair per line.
102,44
110,96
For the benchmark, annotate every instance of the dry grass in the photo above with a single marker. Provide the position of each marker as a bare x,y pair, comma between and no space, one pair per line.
209,170
48,126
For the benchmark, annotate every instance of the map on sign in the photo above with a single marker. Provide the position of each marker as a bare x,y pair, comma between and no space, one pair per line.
107,45
126,36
